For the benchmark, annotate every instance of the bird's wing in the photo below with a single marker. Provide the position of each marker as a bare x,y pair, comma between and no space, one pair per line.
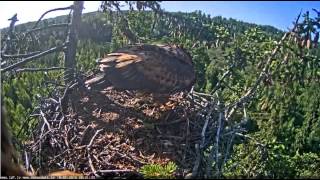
148,68
165,70
122,71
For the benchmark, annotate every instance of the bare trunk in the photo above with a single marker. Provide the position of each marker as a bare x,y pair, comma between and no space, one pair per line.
70,53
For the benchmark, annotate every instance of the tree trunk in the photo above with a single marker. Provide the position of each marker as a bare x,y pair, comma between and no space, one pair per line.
70,53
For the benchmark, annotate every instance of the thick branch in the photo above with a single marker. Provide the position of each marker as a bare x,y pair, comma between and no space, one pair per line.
26,60
7,56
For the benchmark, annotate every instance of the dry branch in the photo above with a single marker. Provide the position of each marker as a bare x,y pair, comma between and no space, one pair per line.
39,69
7,56
56,9
93,137
114,170
220,81
45,120
26,60
197,162
249,137
261,76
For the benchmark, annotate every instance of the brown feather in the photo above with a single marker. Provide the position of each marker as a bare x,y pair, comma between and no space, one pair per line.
149,68
9,156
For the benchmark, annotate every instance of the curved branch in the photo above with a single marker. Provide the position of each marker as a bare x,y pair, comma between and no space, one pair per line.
56,9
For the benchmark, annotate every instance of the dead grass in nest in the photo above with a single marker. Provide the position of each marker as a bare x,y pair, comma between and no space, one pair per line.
111,133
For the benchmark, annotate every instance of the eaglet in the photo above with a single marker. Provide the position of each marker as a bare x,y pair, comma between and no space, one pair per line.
155,69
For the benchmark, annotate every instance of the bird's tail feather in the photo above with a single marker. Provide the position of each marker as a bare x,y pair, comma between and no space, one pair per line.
99,82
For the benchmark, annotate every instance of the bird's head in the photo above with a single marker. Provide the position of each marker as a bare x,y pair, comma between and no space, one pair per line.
183,53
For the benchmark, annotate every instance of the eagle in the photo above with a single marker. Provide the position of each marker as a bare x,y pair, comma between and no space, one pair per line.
9,155
156,69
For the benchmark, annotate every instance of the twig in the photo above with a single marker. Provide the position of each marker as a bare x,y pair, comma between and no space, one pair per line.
197,162
91,166
194,97
204,131
45,120
53,100
55,157
34,115
129,157
65,138
26,160
202,94
205,127
251,138
220,81
61,120
41,134
114,170
26,60
93,137
39,69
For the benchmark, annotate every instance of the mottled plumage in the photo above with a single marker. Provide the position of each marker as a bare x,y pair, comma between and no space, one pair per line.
147,68
9,156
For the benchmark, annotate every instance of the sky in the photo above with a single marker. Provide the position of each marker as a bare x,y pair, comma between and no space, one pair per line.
279,14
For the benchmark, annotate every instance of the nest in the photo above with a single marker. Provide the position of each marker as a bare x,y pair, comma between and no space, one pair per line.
114,133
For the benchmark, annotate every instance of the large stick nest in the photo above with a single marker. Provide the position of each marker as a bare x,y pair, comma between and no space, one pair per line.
114,133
